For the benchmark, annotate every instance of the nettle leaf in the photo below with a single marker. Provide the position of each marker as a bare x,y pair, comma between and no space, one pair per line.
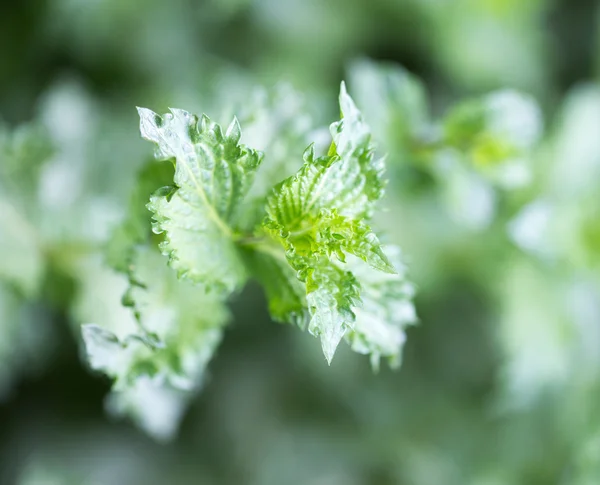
163,360
136,227
496,134
313,221
213,173
386,310
331,293
320,215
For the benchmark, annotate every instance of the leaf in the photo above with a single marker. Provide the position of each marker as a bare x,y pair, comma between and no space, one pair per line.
213,173
319,216
22,262
394,103
23,152
161,362
276,122
286,294
386,310
136,227
331,294
352,144
496,133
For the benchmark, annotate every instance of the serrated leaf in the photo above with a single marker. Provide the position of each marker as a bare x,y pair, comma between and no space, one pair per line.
331,294
213,173
352,144
386,310
138,391
164,355
319,216
276,122
136,227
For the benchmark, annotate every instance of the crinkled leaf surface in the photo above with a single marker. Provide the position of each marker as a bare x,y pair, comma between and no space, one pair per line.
320,215
213,173
386,310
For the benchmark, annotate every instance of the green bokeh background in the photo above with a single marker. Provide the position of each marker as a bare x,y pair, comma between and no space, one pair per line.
272,411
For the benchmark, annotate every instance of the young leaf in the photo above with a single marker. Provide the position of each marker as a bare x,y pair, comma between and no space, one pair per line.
319,216
212,175
276,122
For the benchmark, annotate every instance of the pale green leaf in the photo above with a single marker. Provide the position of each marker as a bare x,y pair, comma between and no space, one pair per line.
136,227
213,173
22,262
394,103
158,352
331,295
386,310
496,133
23,152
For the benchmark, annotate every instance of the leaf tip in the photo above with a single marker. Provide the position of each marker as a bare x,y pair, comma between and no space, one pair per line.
234,131
149,123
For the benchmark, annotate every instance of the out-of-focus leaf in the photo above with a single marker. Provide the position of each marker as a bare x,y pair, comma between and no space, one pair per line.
158,365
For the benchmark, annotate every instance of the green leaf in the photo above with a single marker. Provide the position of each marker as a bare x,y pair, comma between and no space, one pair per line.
276,122
286,294
394,103
386,310
136,227
496,133
331,294
164,357
213,173
22,262
352,144
319,216
23,151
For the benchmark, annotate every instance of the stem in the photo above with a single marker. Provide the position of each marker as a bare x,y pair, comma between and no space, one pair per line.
263,244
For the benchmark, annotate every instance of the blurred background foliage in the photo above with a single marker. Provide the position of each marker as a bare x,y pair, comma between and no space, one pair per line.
500,229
